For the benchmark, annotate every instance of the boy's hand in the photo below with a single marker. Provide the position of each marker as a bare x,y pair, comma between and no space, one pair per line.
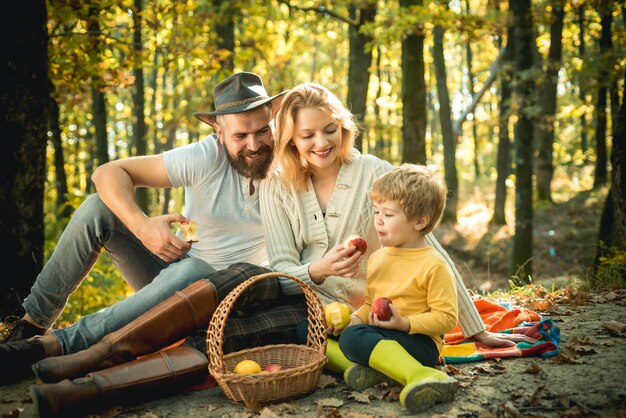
335,332
354,320
397,321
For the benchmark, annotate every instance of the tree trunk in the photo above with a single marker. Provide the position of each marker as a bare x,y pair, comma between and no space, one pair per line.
379,144
171,137
618,176
360,60
225,29
612,233
503,164
581,90
139,131
545,139
24,100
470,88
523,239
63,210
445,118
153,84
98,102
413,94
603,80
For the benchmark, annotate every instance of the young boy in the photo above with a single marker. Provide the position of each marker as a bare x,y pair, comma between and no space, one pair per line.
408,202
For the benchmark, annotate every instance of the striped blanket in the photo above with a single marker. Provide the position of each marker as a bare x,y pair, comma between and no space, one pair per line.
498,318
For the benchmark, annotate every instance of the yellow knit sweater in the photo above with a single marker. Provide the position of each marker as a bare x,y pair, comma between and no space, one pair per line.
420,286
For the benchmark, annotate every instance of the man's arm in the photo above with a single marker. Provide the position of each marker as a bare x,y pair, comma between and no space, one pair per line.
115,183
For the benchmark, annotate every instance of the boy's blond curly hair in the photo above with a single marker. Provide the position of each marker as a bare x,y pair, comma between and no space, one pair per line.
418,190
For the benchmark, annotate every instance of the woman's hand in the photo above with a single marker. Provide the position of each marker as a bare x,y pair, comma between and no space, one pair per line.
493,339
397,321
336,263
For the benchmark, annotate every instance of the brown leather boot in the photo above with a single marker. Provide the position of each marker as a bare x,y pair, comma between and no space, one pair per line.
166,323
154,375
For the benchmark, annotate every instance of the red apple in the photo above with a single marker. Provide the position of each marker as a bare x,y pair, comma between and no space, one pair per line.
272,367
381,309
355,241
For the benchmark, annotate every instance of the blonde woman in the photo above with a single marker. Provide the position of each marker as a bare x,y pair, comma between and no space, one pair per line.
317,197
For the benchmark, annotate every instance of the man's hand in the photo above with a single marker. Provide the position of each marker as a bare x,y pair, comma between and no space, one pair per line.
156,234
493,339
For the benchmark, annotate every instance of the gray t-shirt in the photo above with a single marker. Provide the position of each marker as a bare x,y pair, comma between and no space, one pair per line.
218,198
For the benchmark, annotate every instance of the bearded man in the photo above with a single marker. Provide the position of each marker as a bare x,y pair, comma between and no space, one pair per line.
178,284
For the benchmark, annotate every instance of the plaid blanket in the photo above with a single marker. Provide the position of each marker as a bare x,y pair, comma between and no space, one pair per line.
498,318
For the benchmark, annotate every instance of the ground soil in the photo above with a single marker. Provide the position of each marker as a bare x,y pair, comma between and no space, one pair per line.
587,379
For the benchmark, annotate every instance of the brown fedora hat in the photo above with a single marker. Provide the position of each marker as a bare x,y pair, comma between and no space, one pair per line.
239,93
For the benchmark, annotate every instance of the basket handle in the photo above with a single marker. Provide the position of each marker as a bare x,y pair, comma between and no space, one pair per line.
316,335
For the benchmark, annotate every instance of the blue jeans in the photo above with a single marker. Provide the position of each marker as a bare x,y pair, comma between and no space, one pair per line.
94,227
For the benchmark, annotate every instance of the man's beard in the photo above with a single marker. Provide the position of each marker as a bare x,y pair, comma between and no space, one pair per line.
258,168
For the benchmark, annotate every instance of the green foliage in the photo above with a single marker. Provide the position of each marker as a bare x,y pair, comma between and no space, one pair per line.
290,42
610,271
102,287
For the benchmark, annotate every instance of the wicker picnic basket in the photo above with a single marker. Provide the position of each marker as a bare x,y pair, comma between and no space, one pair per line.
302,364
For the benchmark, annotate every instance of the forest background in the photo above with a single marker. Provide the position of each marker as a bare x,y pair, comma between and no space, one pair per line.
519,104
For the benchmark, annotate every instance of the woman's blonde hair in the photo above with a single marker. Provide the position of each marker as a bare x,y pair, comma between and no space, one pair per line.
417,190
294,169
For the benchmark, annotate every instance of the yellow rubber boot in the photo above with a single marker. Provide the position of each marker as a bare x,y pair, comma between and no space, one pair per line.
356,376
337,362
423,386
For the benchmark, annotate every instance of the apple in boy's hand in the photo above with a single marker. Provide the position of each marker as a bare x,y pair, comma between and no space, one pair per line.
381,309
355,241
337,315
189,230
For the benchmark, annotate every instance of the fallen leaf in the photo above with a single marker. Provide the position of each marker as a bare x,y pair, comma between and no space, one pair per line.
359,397
533,368
541,305
212,407
268,413
455,371
377,392
285,408
116,410
332,413
330,402
510,409
393,394
563,359
326,381
360,415
615,328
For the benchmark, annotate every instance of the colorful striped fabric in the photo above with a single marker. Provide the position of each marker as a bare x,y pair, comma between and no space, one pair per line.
497,318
